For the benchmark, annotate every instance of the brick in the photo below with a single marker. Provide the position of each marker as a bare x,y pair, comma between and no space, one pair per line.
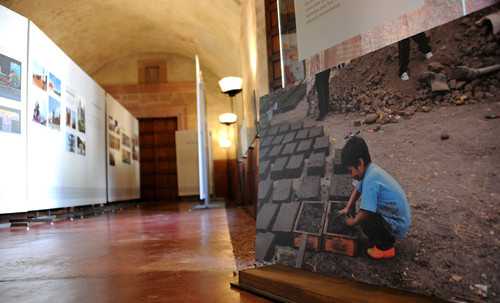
282,192
305,148
322,144
278,139
316,131
267,141
298,125
284,128
316,165
273,131
265,246
263,152
264,168
338,168
274,152
294,167
278,168
302,134
286,217
341,187
263,133
309,188
265,191
289,149
266,216
289,137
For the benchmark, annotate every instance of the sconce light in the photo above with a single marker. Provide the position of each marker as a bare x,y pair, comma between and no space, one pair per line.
227,118
225,143
231,85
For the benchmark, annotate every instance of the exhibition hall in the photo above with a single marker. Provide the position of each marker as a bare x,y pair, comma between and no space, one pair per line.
250,151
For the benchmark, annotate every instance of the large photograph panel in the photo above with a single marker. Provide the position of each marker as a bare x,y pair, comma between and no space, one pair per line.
66,130
431,132
13,79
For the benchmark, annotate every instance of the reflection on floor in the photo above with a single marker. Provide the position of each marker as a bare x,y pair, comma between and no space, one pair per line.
158,252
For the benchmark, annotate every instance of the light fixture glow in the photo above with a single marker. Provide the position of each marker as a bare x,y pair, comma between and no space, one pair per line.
227,118
231,85
225,143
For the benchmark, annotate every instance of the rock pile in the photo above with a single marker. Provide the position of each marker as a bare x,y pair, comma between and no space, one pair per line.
370,84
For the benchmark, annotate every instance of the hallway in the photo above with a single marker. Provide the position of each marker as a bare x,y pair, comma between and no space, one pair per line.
156,253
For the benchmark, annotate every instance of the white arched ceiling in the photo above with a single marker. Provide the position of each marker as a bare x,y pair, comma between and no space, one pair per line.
96,32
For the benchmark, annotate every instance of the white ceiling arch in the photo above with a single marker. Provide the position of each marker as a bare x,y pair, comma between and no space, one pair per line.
96,32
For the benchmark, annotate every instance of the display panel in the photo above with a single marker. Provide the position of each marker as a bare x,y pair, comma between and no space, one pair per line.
66,129
13,67
432,133
123,153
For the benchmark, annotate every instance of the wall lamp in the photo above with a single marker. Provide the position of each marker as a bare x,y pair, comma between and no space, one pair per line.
227,118
231,85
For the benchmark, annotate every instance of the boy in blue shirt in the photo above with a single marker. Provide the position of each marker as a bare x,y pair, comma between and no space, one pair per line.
384,213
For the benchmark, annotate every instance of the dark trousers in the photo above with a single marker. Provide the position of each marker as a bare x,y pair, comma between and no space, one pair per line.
323,88
375,230
404,50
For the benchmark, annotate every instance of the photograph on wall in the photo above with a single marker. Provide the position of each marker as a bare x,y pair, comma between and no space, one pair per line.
39,76
80,146
125,156
111,124
425,108
73,119
112,158
54,114
125,140
10,78
117,128
54,85
135,148
114,142
135,154
10,120
70,142
81,114
40,110
68,117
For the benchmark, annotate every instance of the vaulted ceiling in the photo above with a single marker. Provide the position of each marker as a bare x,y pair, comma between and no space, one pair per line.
97,32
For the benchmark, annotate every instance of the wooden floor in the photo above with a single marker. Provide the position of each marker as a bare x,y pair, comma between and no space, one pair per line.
159,252
293,285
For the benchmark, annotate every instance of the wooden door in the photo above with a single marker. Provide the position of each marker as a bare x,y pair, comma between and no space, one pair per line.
158,159
273,45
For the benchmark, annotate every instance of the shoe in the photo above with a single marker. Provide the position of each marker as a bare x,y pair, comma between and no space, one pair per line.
376,253
405,77
428,55
320,118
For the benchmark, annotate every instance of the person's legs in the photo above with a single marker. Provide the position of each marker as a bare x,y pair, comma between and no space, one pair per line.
323,92
374,229
423,43
404,55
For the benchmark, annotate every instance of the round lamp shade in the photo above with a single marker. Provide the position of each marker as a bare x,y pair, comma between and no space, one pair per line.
231,85
227,118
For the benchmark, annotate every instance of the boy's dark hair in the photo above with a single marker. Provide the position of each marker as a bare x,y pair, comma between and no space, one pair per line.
354,149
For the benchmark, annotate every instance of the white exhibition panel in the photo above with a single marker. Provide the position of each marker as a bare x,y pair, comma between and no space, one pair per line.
322,24
66,129
186,151
122,139
13,80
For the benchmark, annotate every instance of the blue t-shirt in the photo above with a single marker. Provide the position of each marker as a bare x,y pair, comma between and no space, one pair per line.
383,195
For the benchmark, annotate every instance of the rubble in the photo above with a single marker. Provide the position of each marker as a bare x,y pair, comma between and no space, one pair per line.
463,53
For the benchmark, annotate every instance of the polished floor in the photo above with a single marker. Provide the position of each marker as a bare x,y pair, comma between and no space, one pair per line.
153,253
